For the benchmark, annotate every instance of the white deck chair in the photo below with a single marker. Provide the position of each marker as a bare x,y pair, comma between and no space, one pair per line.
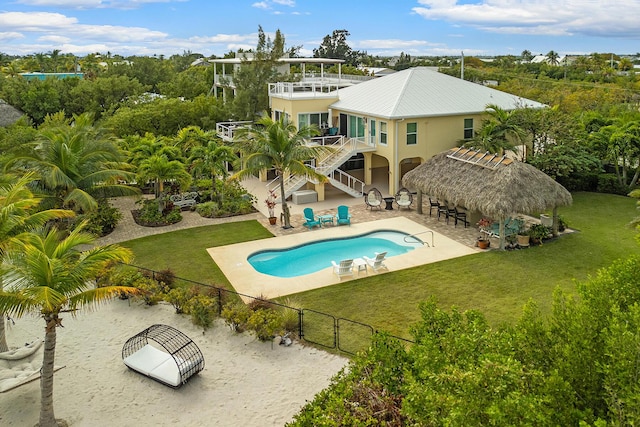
377,263
345,268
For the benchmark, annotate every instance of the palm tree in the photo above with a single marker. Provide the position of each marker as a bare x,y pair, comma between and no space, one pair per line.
18,214
45,273
141,148
552,57
158,168
212,159
278,145
500,132
76,163
191,137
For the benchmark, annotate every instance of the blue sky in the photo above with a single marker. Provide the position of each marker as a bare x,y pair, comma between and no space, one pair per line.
380,27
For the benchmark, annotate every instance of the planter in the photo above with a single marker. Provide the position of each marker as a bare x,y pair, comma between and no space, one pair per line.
546,220
484,244
523,240
272,220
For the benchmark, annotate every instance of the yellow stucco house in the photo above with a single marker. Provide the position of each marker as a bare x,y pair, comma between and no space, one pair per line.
393,123
384,126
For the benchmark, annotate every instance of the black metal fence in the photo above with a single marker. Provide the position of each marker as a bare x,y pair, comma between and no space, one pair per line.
316,327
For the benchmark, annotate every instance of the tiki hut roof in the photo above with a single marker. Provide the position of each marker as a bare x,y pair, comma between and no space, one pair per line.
493,185
8,114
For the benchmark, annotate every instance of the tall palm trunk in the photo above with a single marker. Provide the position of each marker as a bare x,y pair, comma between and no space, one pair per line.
285,207
3,337
47,417
3,333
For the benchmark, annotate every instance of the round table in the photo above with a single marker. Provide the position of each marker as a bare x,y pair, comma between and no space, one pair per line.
389,202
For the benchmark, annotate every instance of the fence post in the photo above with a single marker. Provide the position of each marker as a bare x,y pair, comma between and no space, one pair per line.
219,302
300,328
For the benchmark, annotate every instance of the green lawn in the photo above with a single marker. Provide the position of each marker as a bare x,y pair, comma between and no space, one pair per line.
496,283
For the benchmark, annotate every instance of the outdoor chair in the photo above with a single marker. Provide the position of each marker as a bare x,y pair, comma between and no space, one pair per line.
460,216
443,210
451,211
373,198
404,198
343,216
377,263
310,218
345,268
433,204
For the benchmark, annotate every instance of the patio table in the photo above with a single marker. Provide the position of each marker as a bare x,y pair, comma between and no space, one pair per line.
324,219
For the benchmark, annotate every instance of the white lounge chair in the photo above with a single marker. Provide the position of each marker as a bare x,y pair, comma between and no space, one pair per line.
404,198
373,198
377,263
345,268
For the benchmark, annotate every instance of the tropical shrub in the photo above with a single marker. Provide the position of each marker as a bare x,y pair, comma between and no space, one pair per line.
180,298
103,220
202,309
150,214
235,315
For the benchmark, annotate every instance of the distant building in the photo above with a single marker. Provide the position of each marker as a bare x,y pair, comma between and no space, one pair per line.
42,76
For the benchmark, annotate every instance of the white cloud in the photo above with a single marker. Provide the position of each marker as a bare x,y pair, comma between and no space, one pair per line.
291,3
394,44
59,40
539,17
260,5
11,35
36,21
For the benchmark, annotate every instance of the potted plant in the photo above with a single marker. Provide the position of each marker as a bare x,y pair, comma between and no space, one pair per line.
271,204
483,242
523,236
538,232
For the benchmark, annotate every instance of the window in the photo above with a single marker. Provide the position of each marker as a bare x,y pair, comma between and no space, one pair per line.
319,119
468,128
412,133
383,133
372,131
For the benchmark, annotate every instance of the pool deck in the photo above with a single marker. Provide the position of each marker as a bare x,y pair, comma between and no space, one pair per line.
232,259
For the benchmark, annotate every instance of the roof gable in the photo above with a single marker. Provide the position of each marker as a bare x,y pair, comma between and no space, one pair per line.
422,92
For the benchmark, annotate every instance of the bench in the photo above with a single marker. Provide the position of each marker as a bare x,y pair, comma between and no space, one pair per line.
186,200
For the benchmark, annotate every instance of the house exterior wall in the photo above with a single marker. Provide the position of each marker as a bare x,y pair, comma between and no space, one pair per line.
295,107
434,135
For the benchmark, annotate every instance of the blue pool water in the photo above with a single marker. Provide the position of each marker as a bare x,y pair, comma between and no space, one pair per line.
315,256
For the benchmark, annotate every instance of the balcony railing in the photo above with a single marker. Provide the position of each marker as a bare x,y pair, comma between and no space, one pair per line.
319,89
225,130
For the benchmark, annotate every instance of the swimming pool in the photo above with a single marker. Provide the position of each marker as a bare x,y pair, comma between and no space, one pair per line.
315,256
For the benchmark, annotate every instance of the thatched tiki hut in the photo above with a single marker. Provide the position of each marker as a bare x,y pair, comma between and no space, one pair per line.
496,186
8,114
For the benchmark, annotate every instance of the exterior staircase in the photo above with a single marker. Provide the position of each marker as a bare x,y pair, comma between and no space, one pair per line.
340,151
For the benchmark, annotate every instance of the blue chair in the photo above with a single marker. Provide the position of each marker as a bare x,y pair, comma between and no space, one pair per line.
310,218
343,216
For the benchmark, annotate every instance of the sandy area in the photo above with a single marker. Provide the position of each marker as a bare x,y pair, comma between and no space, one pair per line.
244,383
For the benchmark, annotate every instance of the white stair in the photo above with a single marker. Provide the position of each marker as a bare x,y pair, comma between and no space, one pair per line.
342,150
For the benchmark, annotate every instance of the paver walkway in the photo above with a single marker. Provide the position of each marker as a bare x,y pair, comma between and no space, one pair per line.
127,229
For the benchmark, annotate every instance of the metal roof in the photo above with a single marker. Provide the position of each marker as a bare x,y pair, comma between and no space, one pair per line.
423,92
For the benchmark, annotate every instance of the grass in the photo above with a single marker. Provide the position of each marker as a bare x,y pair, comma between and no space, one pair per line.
496,283
184,251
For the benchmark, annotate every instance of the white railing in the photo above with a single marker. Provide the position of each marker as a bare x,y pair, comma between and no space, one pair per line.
347,180
288,90
225,130
326,164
